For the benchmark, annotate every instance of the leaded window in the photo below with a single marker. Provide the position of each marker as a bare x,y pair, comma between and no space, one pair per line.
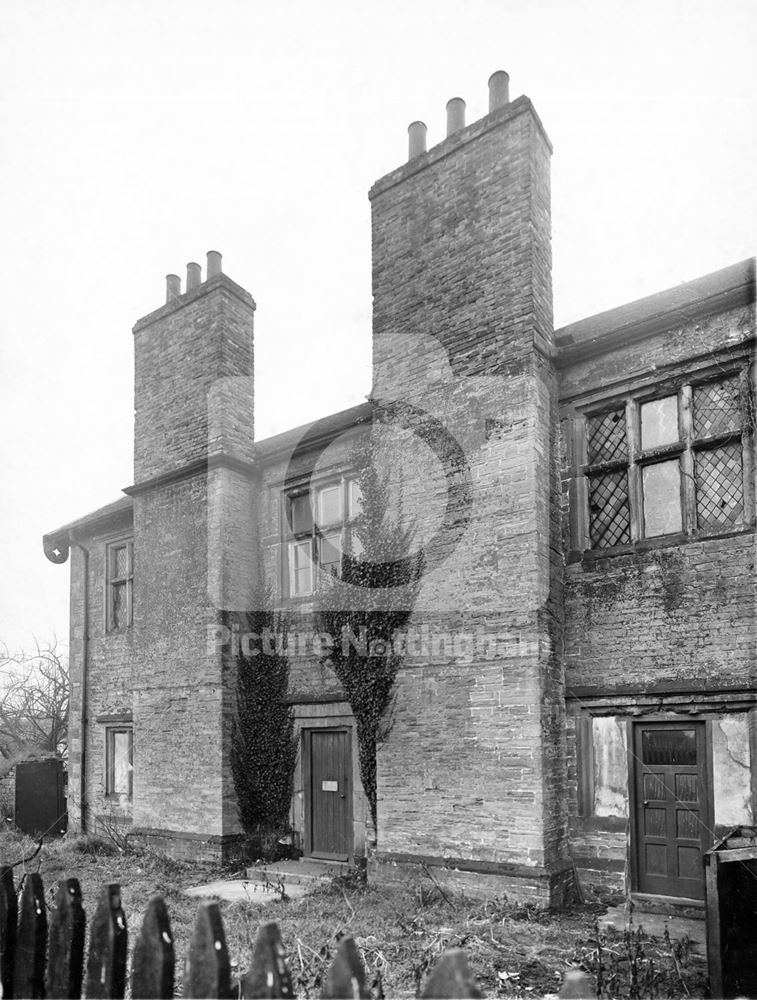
119,585
670,464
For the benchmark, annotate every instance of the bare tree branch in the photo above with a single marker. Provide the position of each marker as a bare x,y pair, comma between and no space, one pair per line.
34,704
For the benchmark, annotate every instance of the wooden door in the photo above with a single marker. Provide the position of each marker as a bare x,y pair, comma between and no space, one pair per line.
672,810
328,779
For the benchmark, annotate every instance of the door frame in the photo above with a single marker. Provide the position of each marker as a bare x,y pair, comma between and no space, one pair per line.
707,810
306,752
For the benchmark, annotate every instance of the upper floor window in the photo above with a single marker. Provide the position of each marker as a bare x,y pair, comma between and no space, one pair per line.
323,527
677,463
119,585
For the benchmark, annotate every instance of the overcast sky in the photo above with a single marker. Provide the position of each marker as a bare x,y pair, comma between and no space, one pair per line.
138,135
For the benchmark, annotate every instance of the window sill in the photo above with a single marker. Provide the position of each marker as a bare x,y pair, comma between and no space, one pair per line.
592,556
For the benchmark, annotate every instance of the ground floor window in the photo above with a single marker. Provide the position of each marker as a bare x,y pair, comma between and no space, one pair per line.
609,794
119,757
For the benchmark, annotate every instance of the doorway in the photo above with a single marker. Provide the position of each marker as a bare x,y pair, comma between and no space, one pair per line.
672,810
327,759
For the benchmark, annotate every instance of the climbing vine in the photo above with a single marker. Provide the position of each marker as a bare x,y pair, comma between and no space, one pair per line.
264,749
366,610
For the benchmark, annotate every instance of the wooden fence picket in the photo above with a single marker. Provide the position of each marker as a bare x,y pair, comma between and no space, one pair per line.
208,971
108,938
268,975
65,962
346,975
452,977
31,941
8,925
153,962
24,938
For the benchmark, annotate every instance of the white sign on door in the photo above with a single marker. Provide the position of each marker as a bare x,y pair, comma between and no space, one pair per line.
329,786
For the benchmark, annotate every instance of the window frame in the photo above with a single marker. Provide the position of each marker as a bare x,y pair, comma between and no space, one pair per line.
689,445
112,581
110,751
317,533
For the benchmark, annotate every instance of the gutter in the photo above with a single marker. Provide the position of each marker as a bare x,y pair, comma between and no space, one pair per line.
83,700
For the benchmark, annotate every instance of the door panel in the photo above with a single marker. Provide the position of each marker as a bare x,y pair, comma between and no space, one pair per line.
671,808
329,798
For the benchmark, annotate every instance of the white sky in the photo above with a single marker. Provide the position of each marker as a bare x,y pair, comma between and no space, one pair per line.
137,136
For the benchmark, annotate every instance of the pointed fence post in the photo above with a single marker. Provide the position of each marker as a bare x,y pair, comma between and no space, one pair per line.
452,977
65,962
268,975
31,943
346,976
152,965
106,965
8,921
208,971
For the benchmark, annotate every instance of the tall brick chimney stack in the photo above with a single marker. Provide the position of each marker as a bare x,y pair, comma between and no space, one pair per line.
463,331
194,551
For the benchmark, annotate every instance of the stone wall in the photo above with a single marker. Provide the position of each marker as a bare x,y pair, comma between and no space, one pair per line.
665,615
462,362
195,553
109,680
662,628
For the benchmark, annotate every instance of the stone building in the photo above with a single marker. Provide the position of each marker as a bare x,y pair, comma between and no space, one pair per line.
579,693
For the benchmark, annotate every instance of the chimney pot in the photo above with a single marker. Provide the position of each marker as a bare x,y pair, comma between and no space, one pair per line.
499,90
455,115
173,287
194,275
214,264
416,132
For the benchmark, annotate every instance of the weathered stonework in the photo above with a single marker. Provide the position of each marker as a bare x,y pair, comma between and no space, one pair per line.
463,320
662,629
532,657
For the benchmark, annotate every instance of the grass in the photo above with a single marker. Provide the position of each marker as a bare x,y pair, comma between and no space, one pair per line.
514,950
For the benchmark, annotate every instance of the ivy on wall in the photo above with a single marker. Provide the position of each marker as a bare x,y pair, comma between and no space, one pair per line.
365,609
264,749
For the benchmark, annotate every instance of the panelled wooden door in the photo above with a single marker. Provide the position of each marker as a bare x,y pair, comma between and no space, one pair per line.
328,778
672,812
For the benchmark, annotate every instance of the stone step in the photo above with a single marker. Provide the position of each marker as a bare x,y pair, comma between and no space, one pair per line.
305,872
654,924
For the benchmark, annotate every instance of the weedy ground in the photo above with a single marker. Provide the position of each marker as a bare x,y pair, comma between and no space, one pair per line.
515,950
